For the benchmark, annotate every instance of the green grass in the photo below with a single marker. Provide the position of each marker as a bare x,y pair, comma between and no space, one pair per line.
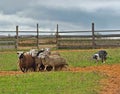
55,82
81,58
8,60
51,83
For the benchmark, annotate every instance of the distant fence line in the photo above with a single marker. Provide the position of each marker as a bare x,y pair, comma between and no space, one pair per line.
60,39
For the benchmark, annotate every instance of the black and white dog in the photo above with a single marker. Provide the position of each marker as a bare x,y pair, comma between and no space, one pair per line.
100,55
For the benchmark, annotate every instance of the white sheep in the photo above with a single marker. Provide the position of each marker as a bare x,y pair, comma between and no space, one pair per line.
38,60
55,61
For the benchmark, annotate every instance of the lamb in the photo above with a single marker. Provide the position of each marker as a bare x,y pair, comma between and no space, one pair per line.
26,61
53,60
100,55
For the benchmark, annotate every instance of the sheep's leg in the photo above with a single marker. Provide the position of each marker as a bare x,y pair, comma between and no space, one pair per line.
26,69
41,67
45,67
53,68
37,68
66,67
22,69
34,68
63,67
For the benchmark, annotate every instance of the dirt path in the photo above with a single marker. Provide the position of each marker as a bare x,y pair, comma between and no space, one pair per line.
5,73
110,85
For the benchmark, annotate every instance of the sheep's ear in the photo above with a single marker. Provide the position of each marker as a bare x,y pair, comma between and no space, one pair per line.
19,52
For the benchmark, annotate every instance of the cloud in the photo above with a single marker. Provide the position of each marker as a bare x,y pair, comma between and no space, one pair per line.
69,14
85,5
13,20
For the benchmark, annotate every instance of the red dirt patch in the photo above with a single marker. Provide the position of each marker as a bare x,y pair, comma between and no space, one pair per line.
111,85
4,73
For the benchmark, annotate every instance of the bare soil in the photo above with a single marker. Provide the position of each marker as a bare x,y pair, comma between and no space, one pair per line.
110,85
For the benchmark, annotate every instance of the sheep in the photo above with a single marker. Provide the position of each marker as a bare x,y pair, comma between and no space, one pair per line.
39,64
47,51
100,55
38,60
26,62
34,53
53,60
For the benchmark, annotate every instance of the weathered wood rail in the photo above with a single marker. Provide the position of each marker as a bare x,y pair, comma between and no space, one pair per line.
59,39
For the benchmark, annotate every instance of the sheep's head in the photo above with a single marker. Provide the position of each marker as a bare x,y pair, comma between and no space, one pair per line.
39,52
41,55
47,51
20,54
33,52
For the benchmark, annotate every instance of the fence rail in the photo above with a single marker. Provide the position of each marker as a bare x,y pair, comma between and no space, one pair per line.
59,39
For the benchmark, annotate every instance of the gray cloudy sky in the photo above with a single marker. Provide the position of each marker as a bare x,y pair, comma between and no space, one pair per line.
69,14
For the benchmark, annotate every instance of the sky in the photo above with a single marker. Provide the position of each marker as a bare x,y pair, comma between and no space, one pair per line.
68,14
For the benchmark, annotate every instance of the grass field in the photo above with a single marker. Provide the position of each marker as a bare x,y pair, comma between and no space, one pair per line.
81,58
51,83
55,82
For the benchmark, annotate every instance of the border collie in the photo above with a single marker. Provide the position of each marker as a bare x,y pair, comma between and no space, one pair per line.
100,55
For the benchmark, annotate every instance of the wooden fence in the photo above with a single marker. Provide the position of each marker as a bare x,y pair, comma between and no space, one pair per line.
59,39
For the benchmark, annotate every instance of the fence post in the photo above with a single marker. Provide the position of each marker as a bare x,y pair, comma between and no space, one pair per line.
57,36
37,36
16,41
93,36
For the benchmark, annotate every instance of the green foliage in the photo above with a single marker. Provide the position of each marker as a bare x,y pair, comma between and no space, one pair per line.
51,83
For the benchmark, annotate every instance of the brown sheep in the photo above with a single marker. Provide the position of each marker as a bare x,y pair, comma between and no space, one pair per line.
26,61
